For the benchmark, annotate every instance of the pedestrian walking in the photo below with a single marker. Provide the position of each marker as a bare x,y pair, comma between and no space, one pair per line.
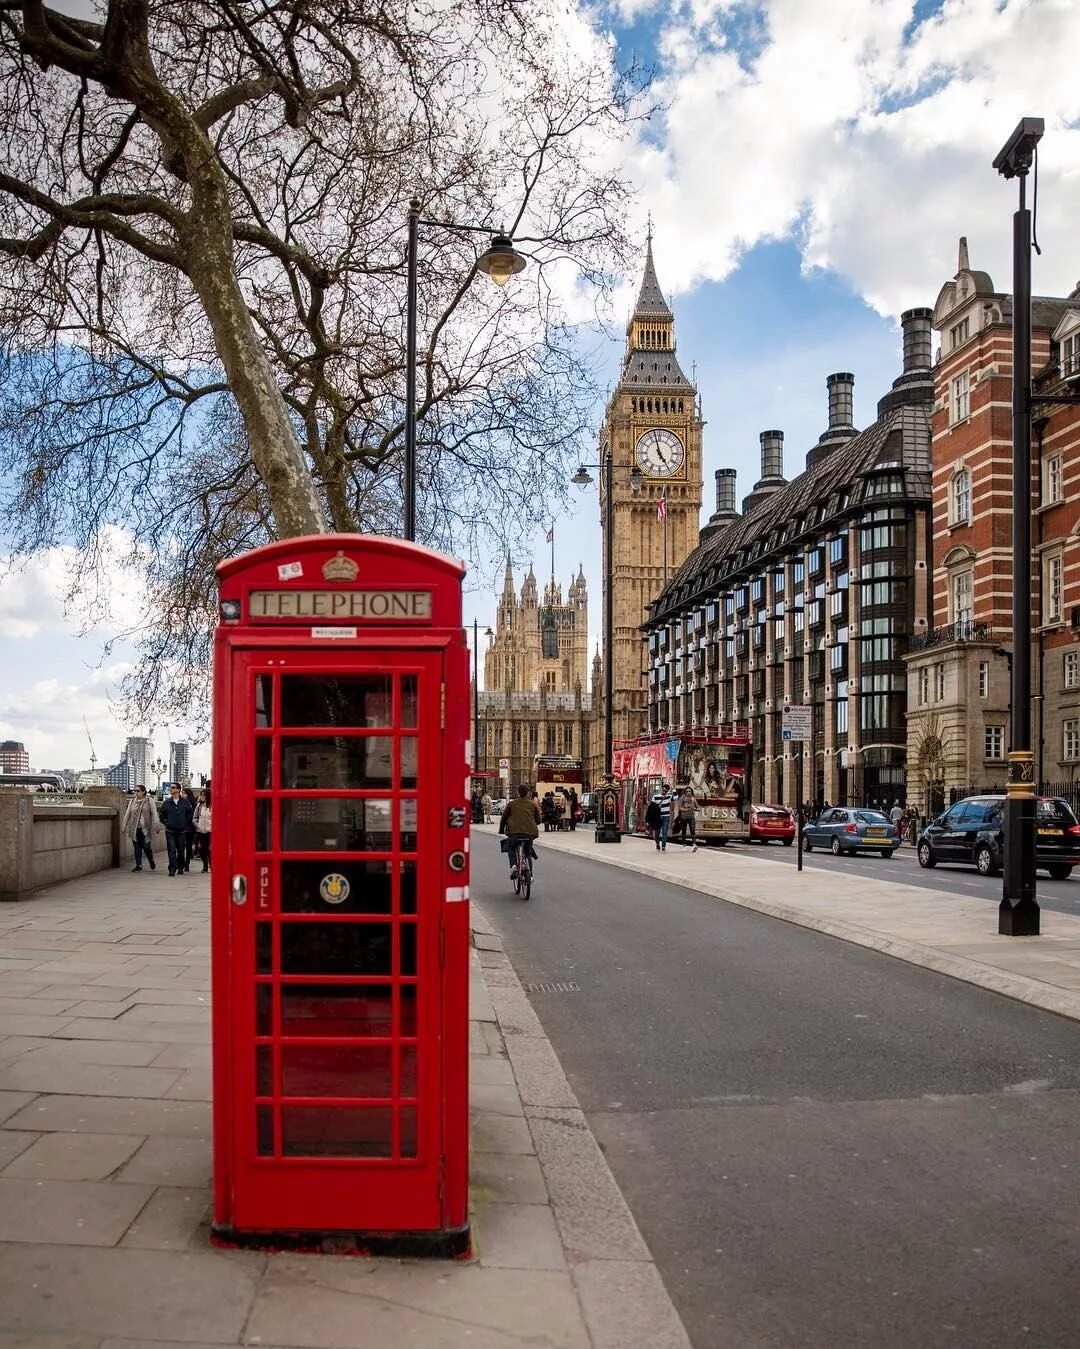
663,801
140,825
485,806
688,816
189,837
175,814
573,810
201,821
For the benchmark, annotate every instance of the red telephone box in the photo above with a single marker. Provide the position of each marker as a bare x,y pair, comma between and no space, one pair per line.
339,895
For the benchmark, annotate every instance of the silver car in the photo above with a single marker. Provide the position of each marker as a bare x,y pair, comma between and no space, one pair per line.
851,829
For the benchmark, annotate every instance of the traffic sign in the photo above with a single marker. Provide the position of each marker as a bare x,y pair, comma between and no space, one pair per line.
796,723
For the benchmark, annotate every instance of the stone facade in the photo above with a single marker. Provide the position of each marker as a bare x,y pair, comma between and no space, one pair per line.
539,645
959,671
810,596
653,394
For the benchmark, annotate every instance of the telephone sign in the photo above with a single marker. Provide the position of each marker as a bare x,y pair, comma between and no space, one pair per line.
341,704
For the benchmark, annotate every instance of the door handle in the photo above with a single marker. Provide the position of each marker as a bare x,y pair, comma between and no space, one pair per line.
239,889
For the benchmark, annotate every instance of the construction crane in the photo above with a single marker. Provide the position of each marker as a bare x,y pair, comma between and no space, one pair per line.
93,756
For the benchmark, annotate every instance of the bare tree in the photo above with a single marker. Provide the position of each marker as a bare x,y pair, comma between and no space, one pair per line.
202,309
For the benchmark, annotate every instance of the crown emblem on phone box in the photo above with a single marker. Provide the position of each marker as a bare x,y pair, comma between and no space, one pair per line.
340,568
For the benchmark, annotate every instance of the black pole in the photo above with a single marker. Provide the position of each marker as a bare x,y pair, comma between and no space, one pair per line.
1018,914
798,807
609,609
409,529
475,696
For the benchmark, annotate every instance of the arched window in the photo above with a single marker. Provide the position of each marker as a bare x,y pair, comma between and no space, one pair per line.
960,504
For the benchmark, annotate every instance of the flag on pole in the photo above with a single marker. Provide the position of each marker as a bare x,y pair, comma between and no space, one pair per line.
661,508
549,537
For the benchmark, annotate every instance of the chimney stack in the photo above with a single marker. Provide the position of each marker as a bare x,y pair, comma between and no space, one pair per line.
917,339
725,491
841,387
772,455
726,510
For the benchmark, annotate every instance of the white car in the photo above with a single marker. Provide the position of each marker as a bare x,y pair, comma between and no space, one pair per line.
497,807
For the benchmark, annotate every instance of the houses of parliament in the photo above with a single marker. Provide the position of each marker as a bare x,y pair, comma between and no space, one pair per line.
541,693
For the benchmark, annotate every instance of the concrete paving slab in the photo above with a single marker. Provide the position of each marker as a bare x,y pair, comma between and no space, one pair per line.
310,1303
48,1341
184,1056
517,1236
181,997
37,1006
168,1013
27,1023
183,1162
193,1297
118,1053
86,1028
515,1012
111,1114
85,992
487,941
67,1212
13,1143
504,1178
194,1084
500,1099
73,1156
170,1221
13,1101
31,1073
487,1070
499,1133
97,1008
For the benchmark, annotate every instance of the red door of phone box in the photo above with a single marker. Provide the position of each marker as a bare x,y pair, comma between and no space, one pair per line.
339,896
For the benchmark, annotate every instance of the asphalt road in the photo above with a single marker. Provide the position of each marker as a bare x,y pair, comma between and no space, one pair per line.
903,866
825,1148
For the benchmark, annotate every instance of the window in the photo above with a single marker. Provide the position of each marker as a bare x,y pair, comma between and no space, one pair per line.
984,679
939,682
837,603
798,620
1052,588
924,686
961,497
756,588
960,332
962,600
1071,670
841,716
1071,740
837,549
961,397
1052,480
837,657
797,573
814,560
995,742
1070,355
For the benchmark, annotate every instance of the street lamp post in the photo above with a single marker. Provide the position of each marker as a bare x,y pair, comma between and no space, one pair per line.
582,478
500,260
476,695
1018,913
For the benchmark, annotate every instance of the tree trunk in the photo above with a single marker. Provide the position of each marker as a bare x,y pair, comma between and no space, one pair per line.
210,265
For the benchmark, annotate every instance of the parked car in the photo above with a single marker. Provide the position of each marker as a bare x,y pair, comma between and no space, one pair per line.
851,829
498,805
973,832
772,824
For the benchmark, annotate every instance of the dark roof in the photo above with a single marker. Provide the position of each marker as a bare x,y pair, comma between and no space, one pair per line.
837,472
650,301
654,370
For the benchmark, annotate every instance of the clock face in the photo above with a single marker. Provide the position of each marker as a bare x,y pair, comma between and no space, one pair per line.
660,453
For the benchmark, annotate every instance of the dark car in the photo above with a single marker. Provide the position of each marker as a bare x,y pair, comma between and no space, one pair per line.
587,806
973,833
851,829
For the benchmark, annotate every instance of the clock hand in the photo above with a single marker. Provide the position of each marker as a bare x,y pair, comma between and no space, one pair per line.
659,451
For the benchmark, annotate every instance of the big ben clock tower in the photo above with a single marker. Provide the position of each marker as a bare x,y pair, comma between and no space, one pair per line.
652,422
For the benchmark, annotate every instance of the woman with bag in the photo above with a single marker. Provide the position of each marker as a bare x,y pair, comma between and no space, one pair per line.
201,821
140,821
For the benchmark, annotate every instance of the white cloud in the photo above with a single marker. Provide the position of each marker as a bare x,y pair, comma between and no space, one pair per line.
867,143
56,591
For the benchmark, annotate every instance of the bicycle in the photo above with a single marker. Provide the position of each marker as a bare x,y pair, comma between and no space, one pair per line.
522,868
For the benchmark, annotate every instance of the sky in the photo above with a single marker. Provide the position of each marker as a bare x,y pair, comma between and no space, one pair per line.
810,171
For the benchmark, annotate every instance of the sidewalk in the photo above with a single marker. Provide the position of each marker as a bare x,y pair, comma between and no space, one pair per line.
934,928
105,1165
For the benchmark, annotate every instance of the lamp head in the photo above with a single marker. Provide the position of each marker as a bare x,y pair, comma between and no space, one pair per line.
582,478
635,479
1015,156
501,261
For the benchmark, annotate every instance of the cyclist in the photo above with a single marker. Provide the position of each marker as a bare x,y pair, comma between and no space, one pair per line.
520,820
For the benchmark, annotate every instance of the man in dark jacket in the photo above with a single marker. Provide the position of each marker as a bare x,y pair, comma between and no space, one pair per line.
520,819
175,814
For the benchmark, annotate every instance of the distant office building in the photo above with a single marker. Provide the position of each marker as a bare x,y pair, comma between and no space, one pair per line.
139,754
122,775
90,777
180,770
13,757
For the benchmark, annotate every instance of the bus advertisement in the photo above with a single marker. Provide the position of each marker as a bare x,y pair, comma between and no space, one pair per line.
717,768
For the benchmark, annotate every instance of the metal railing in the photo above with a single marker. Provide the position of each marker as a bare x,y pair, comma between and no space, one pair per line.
965,631
1067,791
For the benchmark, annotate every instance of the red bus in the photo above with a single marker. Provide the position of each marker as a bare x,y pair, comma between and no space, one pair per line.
717,767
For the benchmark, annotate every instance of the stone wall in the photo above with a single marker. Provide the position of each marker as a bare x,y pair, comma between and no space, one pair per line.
42,845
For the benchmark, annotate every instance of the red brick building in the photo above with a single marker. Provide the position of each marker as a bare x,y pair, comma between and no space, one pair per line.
959,669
